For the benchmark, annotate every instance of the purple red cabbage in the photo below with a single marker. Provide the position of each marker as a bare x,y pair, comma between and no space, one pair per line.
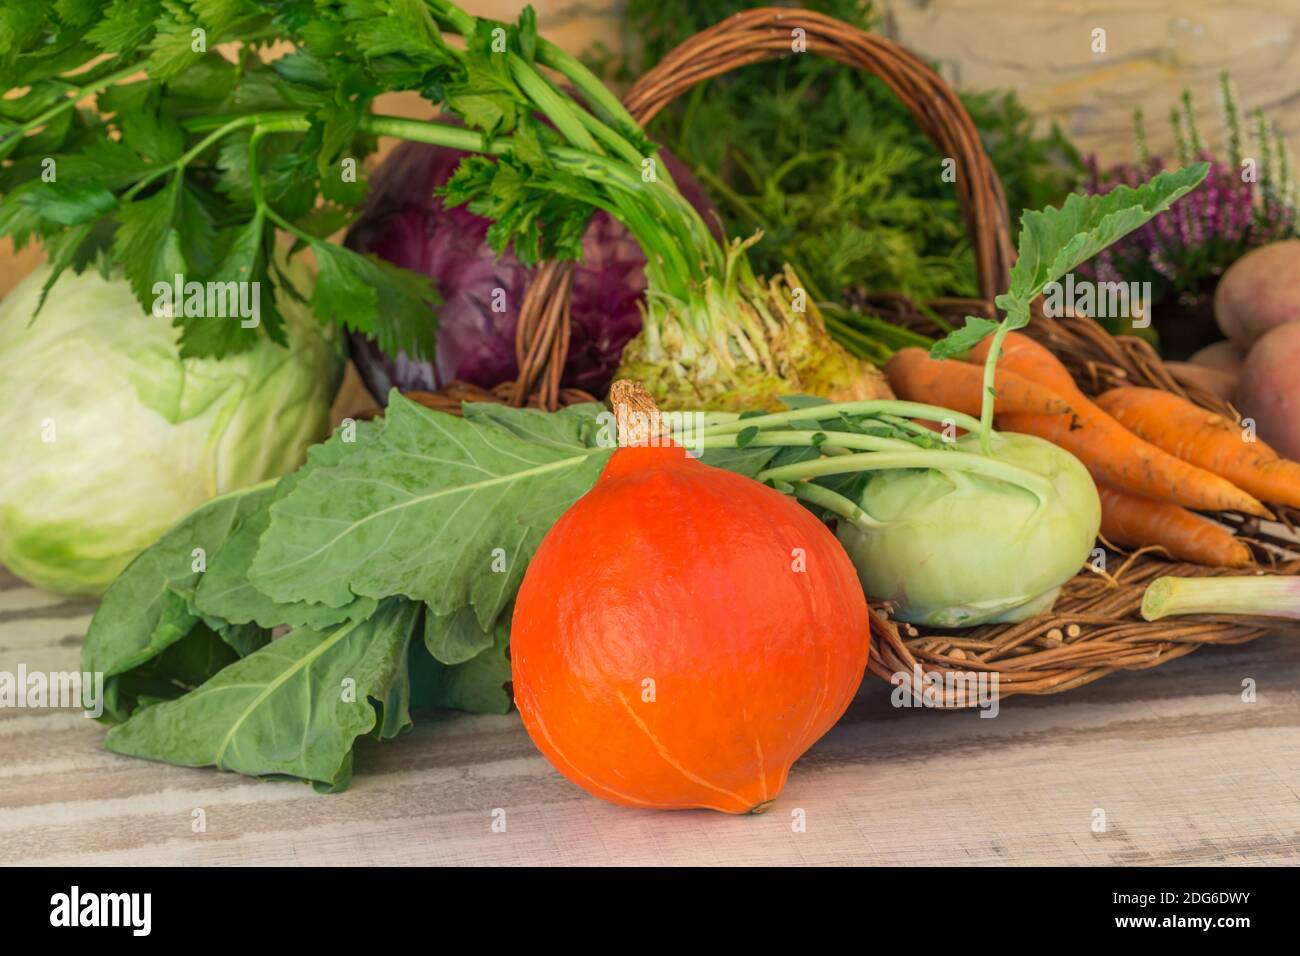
405,223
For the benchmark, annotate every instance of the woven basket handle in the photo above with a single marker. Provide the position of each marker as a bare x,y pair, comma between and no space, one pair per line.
767,33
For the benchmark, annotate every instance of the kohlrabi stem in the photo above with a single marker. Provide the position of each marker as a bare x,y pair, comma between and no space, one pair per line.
907,425
955,461
990,371
1266,595
868,407
835,503
766,439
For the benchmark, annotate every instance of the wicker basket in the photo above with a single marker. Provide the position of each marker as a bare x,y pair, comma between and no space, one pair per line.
1095,628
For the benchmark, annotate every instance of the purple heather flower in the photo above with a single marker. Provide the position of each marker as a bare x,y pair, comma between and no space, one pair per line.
1197,237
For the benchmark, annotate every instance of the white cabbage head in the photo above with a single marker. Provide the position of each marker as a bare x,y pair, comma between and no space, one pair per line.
109,437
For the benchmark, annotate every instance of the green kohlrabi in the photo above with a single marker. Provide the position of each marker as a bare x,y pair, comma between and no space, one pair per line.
950,536
1027,538
110,436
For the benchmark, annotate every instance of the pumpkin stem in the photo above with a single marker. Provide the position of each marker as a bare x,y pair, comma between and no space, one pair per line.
638,417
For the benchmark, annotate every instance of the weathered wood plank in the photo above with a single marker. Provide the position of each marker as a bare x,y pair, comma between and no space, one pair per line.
1184,769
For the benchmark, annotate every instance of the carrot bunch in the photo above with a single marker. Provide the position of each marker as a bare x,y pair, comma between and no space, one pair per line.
1153,455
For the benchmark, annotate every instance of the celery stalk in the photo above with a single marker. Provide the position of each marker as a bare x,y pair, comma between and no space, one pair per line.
1263,595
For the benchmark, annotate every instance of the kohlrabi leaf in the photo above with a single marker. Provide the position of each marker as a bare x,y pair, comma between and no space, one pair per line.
743,461
184,665
294,707
1055,241
148,608
964,339
478,685
198,572
437,508
803,401
576,426
395,706
244,638
458,637
225,593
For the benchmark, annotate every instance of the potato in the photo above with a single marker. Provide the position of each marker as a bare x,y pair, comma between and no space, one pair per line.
1260,291
1215,368
1214,380
1269,390
1224,356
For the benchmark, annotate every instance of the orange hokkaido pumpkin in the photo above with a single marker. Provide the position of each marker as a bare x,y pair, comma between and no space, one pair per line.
683,634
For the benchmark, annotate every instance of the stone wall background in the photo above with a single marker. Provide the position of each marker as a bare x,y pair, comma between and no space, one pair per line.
1155,49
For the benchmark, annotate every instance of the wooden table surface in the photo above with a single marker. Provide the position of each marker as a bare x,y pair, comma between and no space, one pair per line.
1184,770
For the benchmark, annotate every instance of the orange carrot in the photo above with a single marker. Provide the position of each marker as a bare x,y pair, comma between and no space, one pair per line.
1205,439
915,377
1132,522
1103,444
1121,459
1025,357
